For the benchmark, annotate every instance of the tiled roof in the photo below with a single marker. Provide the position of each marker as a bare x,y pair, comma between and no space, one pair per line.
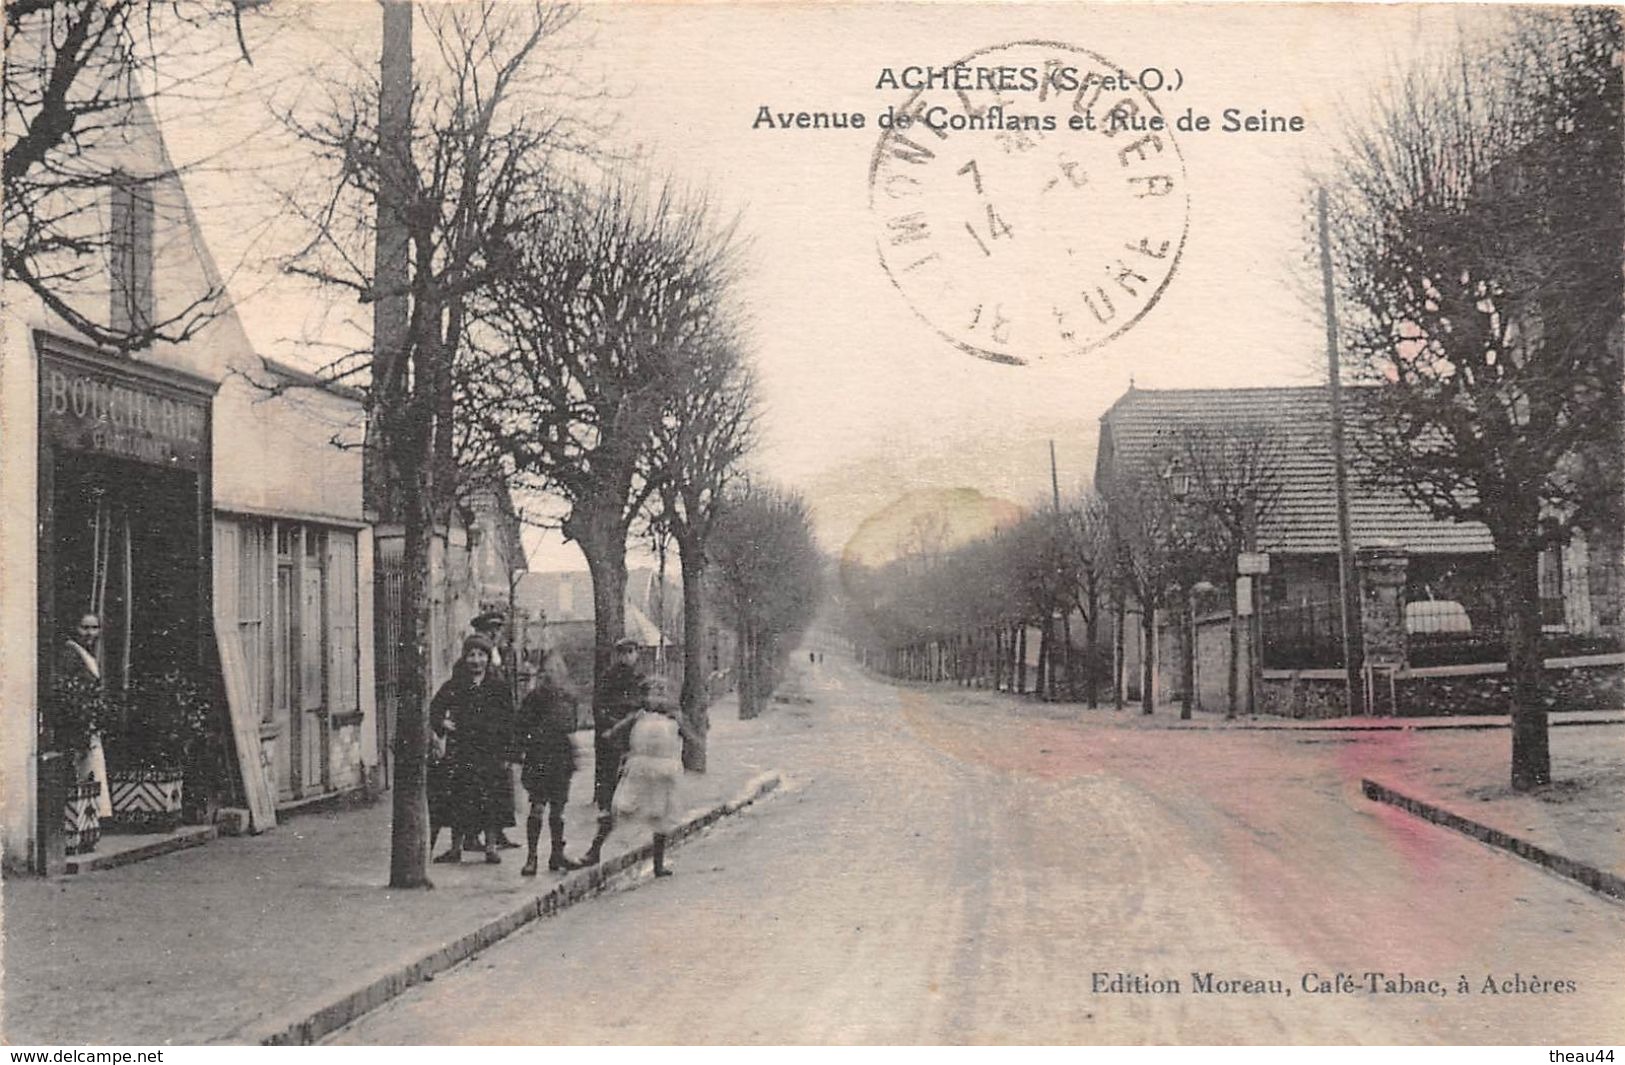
1303,519
562,596
565,596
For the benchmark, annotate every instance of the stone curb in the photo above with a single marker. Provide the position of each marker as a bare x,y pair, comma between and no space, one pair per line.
305,1026
1420,724
1585,875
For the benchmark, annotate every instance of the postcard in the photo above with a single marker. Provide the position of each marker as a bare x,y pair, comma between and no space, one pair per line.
812,523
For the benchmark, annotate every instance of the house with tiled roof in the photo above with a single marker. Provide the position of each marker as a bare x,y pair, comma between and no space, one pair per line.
1450,582
558,610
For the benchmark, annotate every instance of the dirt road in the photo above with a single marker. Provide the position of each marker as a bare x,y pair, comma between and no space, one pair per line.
950,867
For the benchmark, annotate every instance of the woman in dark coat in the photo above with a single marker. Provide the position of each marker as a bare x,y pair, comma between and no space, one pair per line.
473,713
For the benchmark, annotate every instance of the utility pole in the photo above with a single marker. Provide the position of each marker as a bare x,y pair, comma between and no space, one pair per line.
1255,621
1049,619
391,274
1054,478
1347,578
409,830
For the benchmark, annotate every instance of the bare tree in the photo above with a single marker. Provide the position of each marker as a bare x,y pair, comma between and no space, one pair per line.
1159,548
1230,482
1087,547
706,430
438,169
1477,229
587,342
80,75
769,574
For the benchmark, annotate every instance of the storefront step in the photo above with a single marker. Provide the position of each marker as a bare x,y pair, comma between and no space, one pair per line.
326,802
116,850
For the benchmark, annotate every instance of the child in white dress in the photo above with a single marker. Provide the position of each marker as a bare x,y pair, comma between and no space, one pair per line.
647,792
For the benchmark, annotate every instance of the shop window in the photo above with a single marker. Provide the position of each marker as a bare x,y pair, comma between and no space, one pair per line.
130,244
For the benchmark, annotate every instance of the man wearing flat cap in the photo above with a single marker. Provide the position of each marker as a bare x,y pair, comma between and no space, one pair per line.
622,693
489,625
504,666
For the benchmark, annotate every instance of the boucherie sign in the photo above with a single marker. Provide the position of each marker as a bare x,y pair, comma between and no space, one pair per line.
88,408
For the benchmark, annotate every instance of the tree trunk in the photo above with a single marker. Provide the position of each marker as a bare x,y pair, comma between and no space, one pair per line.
1187,617
1071,691
998,658
1233,680
1148,657
748,707
1520,607
602,539
694,702
1021,658
1042,685
1119,649
409,829
1091,660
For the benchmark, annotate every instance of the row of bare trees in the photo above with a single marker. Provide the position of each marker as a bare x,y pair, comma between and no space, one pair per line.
768,578
543,316
1160,529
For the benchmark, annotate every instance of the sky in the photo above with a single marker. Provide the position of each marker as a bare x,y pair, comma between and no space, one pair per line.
867,398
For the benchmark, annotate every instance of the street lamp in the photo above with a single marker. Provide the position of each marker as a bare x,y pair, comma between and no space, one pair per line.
1177,478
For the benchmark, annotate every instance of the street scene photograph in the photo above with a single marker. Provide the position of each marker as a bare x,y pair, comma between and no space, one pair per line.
909,524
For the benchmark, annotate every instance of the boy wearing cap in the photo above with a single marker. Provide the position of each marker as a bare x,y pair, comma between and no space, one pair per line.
622,692
546,720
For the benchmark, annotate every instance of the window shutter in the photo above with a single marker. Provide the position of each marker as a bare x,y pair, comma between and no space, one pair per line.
131,252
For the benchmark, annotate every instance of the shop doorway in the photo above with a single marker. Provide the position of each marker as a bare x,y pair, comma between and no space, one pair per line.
299,680
123,540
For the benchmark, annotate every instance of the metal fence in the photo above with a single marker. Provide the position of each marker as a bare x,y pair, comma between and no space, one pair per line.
1438,633
1303,636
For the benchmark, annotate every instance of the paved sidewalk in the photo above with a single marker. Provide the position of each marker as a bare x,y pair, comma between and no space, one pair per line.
1579,816
198,945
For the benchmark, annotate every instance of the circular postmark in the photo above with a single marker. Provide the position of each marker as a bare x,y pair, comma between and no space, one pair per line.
1035,212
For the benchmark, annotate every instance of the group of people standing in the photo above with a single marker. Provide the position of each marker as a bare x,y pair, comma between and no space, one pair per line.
478,734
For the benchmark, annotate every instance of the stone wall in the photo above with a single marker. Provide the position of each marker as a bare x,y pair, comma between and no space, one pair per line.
1297,696
1572,688
1455,693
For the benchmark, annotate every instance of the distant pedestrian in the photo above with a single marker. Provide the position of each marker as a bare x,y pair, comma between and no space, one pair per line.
623,691
547,717
473,714
647,793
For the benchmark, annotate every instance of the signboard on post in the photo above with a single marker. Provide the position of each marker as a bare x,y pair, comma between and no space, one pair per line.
1253,563
1244,597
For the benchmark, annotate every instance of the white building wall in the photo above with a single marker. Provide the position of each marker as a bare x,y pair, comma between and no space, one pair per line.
294,453
270,456
19,572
